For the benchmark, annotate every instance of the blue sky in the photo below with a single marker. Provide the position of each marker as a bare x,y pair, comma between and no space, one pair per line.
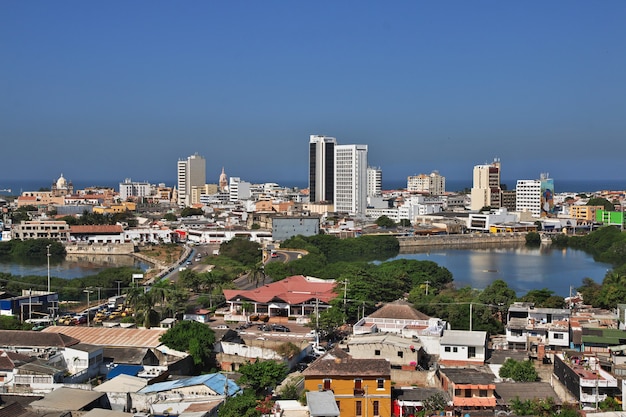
118,89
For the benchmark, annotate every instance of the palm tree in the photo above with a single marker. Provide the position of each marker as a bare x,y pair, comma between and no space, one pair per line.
256,275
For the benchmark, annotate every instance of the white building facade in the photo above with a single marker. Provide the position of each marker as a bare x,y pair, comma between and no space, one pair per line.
374,181
321,168
351,179
528,196
130,188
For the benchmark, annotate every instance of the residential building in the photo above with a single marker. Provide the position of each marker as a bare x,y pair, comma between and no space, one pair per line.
409,401
462,348
402,353
350,179
191,172
321,168
537,329
584,213
509,200
284,227
135,190
582,375
362,387
470,389
486,190
433,183
374,181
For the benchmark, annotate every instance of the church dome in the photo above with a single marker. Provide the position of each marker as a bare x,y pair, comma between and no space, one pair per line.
61,182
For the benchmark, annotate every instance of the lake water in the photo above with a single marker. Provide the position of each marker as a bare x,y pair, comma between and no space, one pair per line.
74,266
522,268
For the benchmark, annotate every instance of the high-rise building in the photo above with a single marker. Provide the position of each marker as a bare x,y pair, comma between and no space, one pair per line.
434,184
351,179
374,181
130,189
535,196
528,196
321,168
486,189
191,172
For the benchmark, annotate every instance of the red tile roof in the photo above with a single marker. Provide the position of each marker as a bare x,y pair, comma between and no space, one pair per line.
292,290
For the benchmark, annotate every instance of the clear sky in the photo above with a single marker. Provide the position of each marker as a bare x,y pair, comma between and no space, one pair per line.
118,89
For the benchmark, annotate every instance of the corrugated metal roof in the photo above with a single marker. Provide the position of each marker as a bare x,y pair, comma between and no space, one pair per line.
131,370
66,399
111,336
463,338
215,382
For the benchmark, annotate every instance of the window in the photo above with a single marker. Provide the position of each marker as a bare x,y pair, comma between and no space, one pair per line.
358,383
359,408
455,349
380,383
327,385
482,393
517,333
377,352
400,354
457,392
559,335
375,407
447,348
471,352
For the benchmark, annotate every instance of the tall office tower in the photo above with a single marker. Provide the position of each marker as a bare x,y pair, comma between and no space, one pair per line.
374,182
321,168
535,196
486,189
351,179
433,184
191,172
528,196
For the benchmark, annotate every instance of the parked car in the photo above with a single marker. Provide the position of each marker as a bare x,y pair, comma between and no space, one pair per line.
280,328
265,327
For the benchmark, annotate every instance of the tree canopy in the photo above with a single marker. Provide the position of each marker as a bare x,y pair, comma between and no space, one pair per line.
262,376
519,371
190,336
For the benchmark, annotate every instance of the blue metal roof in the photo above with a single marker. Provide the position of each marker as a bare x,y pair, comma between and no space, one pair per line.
131,370
215,382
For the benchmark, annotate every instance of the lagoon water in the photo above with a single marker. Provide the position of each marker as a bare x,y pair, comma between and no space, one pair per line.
522,268
73,266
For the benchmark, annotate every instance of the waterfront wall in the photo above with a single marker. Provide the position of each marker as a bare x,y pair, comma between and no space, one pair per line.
460,241
85,248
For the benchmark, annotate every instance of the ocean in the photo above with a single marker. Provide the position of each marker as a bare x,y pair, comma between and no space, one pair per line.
17,186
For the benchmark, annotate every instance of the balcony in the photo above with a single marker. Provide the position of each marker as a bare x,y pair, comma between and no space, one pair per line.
359,392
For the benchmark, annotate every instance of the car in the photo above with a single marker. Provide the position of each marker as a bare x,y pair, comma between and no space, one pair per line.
280,328
265,327
221,327
188,262
274,255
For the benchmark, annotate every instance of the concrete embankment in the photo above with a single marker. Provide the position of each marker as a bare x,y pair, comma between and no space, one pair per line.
80,248
460,241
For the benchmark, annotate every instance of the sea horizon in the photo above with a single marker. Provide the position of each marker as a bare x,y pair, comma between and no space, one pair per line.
17,187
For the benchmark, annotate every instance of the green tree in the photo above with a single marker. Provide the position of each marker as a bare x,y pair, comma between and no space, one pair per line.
256,274
435,402
170,217
243,405
385,222
262,376
600,201
190,336
544,298
533,239
242,250
519,371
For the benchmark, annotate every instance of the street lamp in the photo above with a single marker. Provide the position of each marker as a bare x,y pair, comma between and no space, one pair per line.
48,257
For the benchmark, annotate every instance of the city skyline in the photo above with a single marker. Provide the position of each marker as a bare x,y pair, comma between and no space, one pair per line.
122,90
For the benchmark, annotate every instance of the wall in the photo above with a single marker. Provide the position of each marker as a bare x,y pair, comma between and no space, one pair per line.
100,248
460,240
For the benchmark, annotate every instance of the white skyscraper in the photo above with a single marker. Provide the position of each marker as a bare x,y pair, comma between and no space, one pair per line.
528,196
191,172
321,168
351,179
374,182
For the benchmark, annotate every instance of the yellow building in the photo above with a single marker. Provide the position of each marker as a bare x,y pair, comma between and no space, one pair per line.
362,387
116,208
587,213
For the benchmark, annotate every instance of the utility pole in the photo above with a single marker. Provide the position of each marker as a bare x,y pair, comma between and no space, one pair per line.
470,327
118,287
48,257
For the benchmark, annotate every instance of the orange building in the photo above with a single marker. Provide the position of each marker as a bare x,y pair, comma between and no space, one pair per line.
470,389
587,213
362,387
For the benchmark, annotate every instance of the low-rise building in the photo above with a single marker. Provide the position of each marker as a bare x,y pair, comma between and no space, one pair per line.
462,347
41,229
470,389
361,387
529,327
